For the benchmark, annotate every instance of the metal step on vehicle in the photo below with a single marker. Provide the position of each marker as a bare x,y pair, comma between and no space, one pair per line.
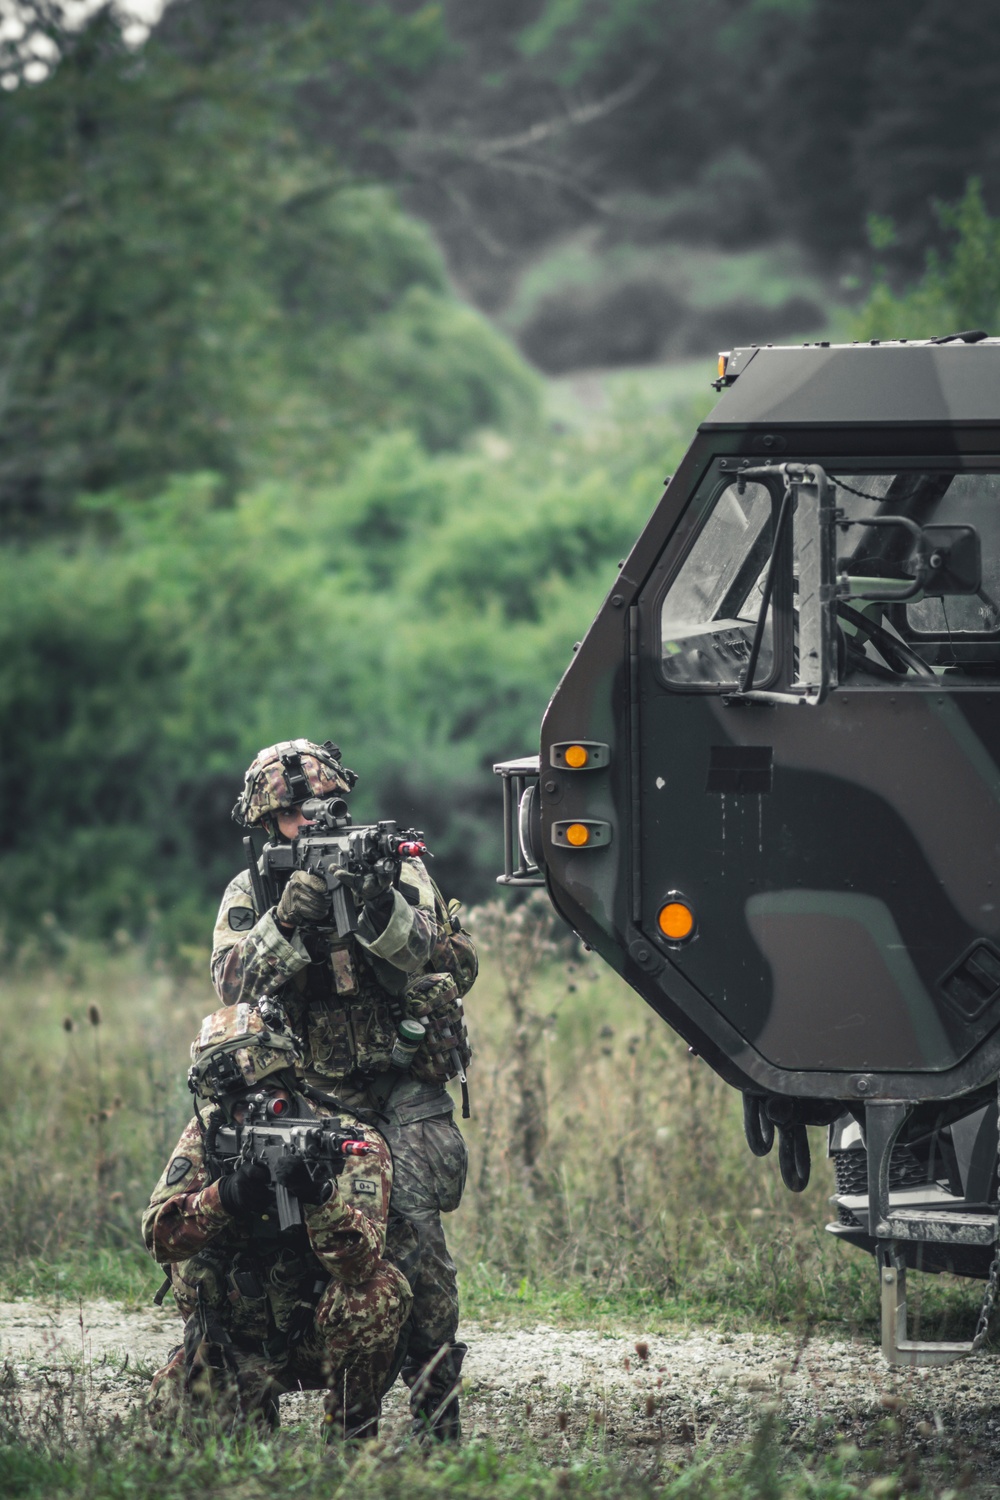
768,785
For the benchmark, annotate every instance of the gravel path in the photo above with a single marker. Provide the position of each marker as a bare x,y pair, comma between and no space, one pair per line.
620,1391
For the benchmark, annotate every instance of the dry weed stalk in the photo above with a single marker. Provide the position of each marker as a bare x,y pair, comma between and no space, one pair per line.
519,941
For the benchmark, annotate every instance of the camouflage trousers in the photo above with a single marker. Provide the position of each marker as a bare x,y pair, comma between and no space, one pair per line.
430,1160
215,1381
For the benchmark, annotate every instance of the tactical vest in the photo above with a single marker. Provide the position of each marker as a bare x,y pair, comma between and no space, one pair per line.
342,1014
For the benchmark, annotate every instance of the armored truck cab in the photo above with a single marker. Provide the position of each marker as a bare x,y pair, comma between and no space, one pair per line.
768,788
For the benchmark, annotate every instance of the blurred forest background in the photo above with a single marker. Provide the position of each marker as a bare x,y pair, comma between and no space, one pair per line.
344,347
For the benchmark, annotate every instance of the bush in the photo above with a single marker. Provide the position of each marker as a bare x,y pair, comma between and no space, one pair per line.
608,1171
958,292
419,611
189,281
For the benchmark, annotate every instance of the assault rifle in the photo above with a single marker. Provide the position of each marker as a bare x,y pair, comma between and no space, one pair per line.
343,855
264,1137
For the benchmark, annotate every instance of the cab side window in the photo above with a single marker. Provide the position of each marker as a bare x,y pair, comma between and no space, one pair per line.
711,608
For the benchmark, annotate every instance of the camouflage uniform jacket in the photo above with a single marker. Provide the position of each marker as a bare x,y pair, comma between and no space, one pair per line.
241,1265
345,999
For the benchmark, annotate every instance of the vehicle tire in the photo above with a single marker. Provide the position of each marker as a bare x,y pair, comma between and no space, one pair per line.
793,1156
757,1126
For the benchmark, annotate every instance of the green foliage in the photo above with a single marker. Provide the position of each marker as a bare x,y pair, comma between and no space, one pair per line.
663,1219
105,1045
435,366
595,31
845,110
188,281
959,290
420,611
676,130
124,1274
133,1465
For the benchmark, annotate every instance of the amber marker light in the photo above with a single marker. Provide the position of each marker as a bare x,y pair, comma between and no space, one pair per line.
722,365
676,921
576,757
578,834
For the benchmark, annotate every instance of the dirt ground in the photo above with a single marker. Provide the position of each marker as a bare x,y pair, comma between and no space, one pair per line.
623,1391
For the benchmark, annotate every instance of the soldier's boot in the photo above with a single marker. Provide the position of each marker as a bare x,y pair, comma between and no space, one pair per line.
262,1411
165,1397
353,1403
434,1395
196,1392
198,1388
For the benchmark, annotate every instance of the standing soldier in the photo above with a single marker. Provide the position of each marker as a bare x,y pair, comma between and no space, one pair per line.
311,1307
345,998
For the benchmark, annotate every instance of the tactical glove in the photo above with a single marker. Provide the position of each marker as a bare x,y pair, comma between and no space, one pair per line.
304,901
374,884
378,909
247,1190
294,1175
377,882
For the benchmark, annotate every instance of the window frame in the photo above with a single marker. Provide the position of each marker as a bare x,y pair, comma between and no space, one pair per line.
700,508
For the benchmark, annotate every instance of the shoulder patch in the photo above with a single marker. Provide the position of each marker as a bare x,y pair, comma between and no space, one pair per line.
241,918
365,1185
179,1167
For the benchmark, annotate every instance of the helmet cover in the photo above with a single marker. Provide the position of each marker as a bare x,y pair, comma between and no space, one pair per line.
281,775
237,1049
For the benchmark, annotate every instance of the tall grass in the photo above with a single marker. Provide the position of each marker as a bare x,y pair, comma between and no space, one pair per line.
610,1160
69,1454
92,1099
609,1171
608,1174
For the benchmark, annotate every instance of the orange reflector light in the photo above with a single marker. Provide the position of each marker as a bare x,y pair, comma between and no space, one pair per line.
576,756
676,921
578,834
723,362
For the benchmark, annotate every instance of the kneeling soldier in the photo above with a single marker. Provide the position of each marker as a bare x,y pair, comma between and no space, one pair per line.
312,1306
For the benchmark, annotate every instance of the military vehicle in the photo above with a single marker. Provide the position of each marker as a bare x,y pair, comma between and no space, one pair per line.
768,787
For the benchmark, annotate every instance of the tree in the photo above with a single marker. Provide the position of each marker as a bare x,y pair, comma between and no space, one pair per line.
826,88
188,281
933,121
959,290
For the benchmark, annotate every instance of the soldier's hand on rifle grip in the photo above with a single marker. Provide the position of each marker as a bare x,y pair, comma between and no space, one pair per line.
305,901
379,908
378,880
295,1177
247,1190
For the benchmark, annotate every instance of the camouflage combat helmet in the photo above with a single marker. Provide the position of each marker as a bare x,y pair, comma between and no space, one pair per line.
237,1048
281,775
